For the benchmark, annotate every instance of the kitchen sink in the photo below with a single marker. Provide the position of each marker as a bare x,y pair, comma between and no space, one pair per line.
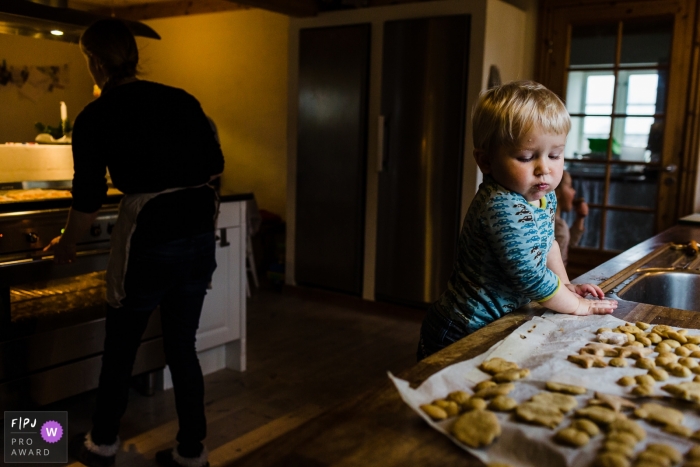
672,288
669,276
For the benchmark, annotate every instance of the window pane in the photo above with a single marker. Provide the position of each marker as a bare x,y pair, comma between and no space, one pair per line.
588,180
620,236
588,138
591,232
590,92
633,185
646,42
593,45
641,92
639,138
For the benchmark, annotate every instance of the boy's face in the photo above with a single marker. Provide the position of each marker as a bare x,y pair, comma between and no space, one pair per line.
533,168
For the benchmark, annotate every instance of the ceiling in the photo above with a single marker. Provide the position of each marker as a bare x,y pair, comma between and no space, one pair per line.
148,9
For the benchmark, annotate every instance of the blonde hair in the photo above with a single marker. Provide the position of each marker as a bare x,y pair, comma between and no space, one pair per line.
503,114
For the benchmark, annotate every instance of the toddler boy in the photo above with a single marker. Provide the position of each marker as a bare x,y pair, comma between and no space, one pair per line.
505,253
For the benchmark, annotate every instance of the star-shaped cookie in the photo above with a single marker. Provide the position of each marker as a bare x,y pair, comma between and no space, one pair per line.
633,352
599,349
614,402
587,361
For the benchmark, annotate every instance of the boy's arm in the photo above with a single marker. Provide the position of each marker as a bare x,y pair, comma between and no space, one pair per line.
569,299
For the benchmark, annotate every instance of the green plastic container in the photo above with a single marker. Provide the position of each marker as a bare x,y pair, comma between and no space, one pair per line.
601,145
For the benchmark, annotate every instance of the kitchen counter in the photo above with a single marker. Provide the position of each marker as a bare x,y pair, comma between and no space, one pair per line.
379,429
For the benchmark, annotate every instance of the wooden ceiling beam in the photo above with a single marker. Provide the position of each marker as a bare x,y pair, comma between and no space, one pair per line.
296,8
169,8
165,9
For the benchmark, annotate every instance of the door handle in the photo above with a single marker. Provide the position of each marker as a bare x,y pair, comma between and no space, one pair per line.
223,240
381,142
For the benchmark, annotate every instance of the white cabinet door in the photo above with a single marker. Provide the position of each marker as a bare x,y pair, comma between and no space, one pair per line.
221,314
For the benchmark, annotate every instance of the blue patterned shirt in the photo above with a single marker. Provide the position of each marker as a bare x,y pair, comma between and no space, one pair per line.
502,257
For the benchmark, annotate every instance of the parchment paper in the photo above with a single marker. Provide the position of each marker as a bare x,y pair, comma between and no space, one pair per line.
542,345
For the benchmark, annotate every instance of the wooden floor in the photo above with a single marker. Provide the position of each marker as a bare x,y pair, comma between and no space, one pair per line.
307,351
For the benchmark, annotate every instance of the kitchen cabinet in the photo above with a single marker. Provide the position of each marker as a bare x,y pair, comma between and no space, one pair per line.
367,208
221,337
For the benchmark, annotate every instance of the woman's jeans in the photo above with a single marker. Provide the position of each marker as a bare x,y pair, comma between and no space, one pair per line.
174,275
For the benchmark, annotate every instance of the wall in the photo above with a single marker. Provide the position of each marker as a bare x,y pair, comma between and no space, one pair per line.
235,63
17,113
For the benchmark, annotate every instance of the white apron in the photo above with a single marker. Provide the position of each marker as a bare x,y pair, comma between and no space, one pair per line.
120,241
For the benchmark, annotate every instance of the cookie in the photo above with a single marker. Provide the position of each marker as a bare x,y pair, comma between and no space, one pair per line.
539,414
616,403
483,385
602,330
679,370
587,426
634,352
677,336
693,339
570,436
434,412
645,379
665,450
610,459
642,325
659,374
654,338
618,362
565,388
674,344
622,437
475,403
691,347
587,361
598,414
666,358
631,329
618,448
511,375
459,397
626,381
683,351
645,363
659,414
502,404
600,349
663,347
688,362
645,341
502,389
451,407
477,428
693,454
661,329
652,458
687,390
627,426
643,390
563,402
497,365
678,430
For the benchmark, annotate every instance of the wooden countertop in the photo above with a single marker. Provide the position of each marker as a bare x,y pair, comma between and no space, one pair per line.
379,429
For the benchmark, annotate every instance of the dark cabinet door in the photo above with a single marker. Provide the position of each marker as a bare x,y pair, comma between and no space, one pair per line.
332,157
424,79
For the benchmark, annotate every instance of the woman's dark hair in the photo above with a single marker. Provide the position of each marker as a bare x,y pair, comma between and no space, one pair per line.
114,46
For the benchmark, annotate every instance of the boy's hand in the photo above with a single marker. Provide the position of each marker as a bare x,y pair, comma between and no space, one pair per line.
584,289
595,307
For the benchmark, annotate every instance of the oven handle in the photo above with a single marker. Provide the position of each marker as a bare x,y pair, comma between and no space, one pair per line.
79,254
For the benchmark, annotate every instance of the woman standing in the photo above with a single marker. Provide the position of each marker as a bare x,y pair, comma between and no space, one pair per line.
161,152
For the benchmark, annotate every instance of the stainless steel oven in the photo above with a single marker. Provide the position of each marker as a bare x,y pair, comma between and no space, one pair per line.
52,316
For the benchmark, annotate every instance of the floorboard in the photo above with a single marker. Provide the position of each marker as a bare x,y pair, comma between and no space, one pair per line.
308,350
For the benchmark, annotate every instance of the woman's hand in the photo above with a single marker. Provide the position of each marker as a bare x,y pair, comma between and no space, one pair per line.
581,208
595,307
584,289
63,251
